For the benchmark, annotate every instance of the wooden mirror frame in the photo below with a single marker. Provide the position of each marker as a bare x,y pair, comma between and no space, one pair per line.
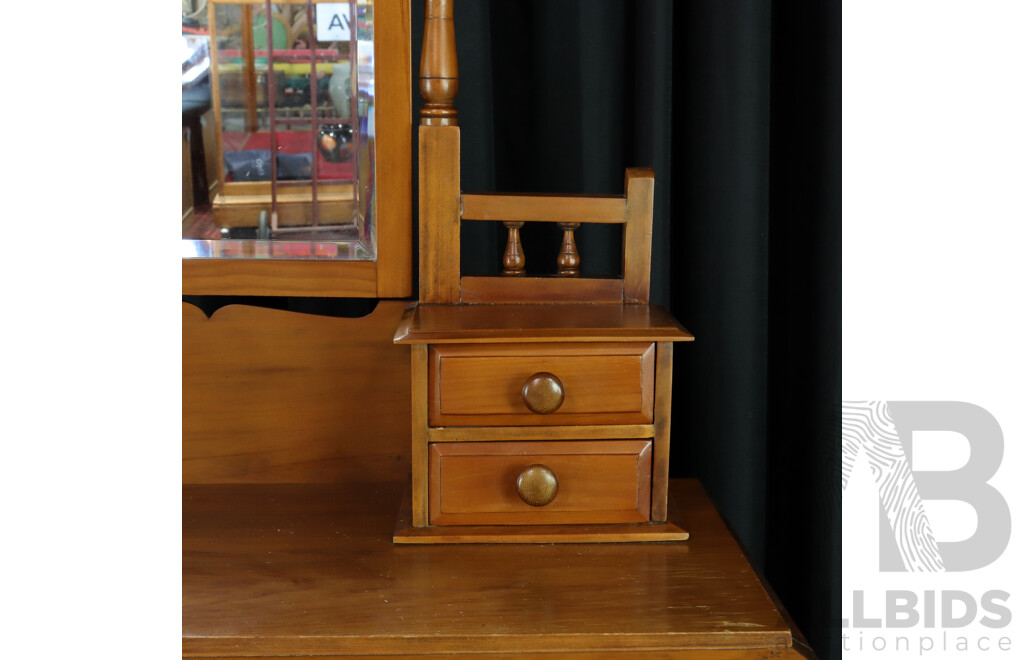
390,275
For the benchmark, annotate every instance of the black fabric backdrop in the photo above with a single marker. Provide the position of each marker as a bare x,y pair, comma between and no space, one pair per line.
736,106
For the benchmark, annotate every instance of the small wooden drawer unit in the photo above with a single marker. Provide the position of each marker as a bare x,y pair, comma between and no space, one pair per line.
541,384
528,416
521,483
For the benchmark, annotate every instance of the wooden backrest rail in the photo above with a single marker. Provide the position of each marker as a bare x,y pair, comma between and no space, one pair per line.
443,206
544,208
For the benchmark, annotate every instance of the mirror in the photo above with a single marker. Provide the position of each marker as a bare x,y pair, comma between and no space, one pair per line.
296,80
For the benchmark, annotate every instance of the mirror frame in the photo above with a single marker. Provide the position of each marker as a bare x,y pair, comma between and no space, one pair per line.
390,275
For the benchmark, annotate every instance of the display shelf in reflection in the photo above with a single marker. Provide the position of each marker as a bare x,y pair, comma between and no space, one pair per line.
291,129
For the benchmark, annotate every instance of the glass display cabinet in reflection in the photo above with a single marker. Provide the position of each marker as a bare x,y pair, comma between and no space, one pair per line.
311,110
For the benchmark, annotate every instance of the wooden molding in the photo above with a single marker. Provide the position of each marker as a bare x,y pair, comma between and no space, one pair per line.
609,209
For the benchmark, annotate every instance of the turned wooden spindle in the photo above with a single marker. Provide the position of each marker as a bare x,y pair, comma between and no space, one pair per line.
439,138
439,67
568,257
514,261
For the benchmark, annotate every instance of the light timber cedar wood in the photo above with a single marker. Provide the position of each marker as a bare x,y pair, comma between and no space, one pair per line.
636,238
420,512
439,214
443,206
636,214
662,431
506,534
482,324
514,262
604,481
530,369
568,257
265,277
784,654
273,396
392,147
539,290
310,569
482,384
439,66
439,155
544,208
390,275
498,433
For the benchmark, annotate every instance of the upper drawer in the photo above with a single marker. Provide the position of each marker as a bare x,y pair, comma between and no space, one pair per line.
486,384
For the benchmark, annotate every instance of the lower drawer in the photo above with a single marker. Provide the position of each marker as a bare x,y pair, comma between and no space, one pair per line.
493,483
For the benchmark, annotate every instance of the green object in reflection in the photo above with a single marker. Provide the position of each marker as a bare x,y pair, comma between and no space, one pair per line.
259,32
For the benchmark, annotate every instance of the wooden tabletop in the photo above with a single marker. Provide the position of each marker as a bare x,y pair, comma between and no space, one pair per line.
437,324
310,569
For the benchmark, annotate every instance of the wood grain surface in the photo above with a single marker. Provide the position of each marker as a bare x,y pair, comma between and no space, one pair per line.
498,433
637,235
420,512
393,147
603,481
482,384
662,430
474,289
439,214
544,208
310,569
439,66
405,533
276,396
580,322
704,654
265,277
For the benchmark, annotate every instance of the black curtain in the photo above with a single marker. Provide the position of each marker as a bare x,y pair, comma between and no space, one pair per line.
736,106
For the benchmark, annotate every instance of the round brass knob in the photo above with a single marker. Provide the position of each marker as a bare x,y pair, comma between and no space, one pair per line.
543,393
537,485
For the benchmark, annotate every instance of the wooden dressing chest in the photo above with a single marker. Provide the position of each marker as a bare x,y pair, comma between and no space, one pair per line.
535,400
539,414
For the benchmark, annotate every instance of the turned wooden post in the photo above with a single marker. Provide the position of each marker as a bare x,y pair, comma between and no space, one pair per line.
439,66
440,186
514,261
568,257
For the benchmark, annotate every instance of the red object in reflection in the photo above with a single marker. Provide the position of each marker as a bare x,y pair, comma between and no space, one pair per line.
291,142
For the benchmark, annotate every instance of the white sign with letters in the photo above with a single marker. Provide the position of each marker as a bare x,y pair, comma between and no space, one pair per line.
333,21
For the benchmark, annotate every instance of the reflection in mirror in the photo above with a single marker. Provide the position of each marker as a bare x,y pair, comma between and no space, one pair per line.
296,80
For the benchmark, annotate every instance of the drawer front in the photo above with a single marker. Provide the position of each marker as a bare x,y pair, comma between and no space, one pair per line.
483,385
489,483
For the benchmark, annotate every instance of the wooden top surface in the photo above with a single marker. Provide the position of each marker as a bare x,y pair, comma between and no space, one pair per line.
438,324
295,569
